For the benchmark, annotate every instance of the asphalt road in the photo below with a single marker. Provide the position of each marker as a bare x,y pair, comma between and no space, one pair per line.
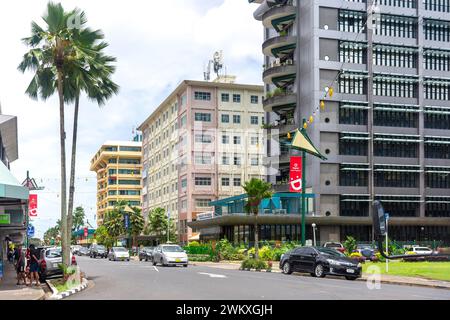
136,280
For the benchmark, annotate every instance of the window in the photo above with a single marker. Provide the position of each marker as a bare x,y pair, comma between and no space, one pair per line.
183,183
395,56
254,99
202,158
436,89
356,177
396,179
396,149
253,120
183,121
202,203
202,181
352,114
203,96
202,138
183,100
225,139
236,119
237,160
237,98
254,141
352,52
225,160
438,180
352,84
225,118
236,140
254,161
225,97
406,118
396,26
225,182
437,118
237,182
437,30
437,5
392,86
204,117
351,21
436,59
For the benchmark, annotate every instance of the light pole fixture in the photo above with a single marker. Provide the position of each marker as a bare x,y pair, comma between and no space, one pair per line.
314,233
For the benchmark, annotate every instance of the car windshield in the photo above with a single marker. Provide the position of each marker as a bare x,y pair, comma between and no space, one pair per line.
53,253
119,249
423,249
147,248
100,247
333,245
330,252
172,249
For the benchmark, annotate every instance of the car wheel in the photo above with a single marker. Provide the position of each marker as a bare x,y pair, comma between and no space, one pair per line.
350,278
146,259
287,268
319,271
312,274
162,263
185,265
154,262
128,259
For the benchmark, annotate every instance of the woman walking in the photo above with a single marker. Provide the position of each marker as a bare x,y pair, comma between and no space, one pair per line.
20,266
34,264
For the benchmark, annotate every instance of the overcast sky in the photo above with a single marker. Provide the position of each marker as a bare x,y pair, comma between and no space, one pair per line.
157,43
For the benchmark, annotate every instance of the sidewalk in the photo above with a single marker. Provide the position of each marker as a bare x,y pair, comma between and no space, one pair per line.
388,279
10,291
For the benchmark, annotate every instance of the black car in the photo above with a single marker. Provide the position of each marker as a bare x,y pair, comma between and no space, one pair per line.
97,250
146,254
319,262
83,251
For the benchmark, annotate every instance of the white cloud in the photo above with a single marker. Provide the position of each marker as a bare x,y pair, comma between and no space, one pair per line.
157,44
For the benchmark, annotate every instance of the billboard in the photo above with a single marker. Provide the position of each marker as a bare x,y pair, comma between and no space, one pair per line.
32,205
295,174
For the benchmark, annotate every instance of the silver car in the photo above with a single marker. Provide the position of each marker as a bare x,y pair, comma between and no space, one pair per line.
169,254
118,254
50,259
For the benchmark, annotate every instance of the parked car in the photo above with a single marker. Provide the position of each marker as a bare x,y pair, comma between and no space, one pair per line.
319,262
50,259
366,251
75,249
420,250
170,254
83,251
118,253
146,253
335,245
97,250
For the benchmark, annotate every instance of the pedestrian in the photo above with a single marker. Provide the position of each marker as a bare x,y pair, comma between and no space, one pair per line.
34,264
20,265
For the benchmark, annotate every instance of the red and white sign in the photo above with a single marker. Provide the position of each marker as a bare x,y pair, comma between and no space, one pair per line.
86,232
32,205
295,175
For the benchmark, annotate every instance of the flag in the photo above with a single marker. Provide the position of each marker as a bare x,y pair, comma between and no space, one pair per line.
32,205
295,174
302,142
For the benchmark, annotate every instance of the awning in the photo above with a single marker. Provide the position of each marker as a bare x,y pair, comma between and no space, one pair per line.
274,202
9,186
194,237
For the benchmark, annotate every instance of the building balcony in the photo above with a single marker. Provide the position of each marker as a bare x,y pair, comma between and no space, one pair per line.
280,74
280,101
279,46
279,17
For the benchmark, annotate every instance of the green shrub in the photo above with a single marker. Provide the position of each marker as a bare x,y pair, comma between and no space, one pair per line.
350,245
194,244
260,264
266,253
199,257
248,264
198,249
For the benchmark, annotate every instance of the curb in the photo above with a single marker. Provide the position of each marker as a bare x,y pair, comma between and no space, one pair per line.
65,294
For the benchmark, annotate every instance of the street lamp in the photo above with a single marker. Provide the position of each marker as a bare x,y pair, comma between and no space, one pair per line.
421,233
128,211
314,233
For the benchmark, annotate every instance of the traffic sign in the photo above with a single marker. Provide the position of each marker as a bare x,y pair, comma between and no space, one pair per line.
30,231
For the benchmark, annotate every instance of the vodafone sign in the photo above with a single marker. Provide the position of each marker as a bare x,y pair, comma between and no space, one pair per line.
295,176
32,205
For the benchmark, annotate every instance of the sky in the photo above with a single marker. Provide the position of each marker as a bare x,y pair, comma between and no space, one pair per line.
158,44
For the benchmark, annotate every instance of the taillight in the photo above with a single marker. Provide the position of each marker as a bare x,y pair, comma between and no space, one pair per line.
43,265
74,261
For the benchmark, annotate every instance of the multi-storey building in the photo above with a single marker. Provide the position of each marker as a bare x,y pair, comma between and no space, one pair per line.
385,130
201,144
118,167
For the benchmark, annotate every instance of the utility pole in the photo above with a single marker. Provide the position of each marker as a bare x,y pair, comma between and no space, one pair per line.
31,185
303,194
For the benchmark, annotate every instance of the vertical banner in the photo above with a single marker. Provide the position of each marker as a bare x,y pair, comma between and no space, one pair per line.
295,175
32,205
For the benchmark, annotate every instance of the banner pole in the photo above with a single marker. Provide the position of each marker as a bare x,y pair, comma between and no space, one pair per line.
303,194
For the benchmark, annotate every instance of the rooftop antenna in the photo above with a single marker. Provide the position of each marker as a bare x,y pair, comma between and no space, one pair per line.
217,63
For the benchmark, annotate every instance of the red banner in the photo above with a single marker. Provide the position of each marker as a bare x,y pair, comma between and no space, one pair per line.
32,205
86,232
295,175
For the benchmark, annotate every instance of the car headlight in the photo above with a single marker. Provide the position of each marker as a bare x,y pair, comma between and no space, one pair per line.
359,265
282,256
331,261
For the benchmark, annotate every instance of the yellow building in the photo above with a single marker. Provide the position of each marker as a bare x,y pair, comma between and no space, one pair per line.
118,167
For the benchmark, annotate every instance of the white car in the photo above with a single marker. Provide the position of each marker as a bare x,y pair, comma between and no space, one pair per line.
169,254
421,250
118,254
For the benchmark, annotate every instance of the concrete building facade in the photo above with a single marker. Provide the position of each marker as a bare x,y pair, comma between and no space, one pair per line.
118,167
201,144
385,128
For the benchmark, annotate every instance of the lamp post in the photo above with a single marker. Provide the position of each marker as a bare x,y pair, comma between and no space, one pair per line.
303,193
421,234
314,233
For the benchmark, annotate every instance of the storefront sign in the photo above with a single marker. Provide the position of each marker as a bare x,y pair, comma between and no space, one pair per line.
32,205
5,218
295,175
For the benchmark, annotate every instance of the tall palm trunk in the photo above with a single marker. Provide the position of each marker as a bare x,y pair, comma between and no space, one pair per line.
72,164
256,237
62,135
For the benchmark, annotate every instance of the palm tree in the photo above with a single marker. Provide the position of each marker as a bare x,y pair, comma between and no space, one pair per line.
137,222
114,224
59,53
256,190
78,218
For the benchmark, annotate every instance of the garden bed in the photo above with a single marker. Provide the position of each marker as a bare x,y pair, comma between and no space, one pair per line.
426,270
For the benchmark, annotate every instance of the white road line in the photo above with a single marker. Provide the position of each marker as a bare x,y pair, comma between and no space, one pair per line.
156,268
212,275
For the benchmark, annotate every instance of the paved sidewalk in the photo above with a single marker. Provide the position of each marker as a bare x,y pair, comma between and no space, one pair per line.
389,279
10,291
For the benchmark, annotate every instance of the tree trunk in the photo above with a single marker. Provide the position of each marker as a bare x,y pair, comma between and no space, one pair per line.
62,136
256,238
72,164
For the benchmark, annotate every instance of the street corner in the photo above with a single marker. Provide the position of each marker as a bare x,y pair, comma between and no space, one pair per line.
56,295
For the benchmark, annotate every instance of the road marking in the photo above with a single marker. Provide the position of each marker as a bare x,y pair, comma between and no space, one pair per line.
212,275
156,268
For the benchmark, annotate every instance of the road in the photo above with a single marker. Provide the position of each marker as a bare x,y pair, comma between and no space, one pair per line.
136,280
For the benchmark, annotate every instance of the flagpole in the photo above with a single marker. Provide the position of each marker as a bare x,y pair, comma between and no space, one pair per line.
303,194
